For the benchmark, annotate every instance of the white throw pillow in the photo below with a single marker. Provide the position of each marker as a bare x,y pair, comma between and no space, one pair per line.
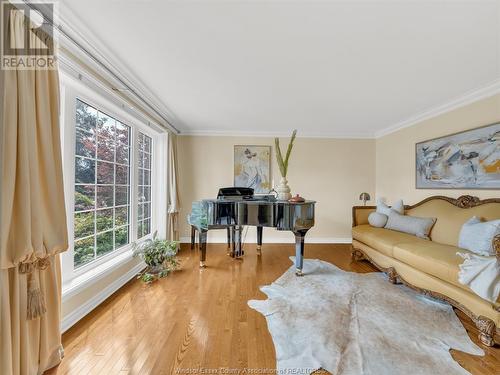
418,226
477,236
376,219
383,208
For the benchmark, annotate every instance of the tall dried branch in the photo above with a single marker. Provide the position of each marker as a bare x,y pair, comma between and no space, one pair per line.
279,157
283,164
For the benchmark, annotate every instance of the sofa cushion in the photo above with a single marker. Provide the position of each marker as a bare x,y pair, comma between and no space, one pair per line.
418,226
432,258
382,239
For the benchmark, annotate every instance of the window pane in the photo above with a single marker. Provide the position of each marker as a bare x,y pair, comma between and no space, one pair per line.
105,172
84,251
85,143
104,220
84,171
105,126
105,149
122,133
104,196
147,210
140,229
121,195
140,176
104,243
121,236
146,163
147,227
140,194
140,212
84,197
84,224
144,194
121,175
85,116
140,142
122,154
147,193
147,175
121,216
147,144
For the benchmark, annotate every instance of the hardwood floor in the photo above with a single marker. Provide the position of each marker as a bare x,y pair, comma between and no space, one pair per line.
199,319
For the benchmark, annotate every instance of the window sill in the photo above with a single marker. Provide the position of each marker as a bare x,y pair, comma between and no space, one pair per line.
93,275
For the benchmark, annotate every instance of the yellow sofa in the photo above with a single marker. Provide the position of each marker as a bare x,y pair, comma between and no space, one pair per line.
431,267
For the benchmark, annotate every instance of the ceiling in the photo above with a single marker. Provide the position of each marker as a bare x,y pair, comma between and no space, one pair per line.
326,68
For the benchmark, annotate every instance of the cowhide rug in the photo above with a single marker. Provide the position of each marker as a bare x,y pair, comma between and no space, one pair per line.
350,323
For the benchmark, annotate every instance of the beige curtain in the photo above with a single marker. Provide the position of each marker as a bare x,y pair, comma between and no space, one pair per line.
33,219
173,197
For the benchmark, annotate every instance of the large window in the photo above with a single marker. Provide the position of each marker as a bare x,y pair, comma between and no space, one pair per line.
144,185
115,180
102,184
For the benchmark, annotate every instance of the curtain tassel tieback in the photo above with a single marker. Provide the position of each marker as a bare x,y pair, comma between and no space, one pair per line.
36,301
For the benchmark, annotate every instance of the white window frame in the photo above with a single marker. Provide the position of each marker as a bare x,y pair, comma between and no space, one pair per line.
71,90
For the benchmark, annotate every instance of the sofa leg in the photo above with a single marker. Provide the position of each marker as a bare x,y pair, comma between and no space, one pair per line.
487,329
393,275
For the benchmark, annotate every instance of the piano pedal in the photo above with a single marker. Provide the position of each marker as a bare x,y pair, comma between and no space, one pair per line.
202,264
259,250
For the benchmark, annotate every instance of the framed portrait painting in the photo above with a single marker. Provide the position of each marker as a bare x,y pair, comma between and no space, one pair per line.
465,160
252,167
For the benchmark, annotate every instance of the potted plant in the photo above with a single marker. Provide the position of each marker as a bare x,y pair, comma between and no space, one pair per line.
283,189
159,256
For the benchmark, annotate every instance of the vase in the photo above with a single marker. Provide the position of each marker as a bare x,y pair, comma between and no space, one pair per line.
283,190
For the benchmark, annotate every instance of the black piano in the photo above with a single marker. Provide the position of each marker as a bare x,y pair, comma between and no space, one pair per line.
236,207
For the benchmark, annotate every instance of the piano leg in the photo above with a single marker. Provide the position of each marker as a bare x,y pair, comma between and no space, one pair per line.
233,244
203,247
238,251
229,243
259,240
193,236
299,251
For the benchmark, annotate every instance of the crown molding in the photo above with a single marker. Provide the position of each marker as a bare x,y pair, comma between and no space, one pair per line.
470,97
232,133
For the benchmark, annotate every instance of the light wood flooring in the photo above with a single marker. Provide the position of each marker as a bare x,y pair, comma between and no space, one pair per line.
199,319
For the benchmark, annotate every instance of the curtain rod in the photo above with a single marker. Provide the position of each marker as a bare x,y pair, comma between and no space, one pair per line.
89,54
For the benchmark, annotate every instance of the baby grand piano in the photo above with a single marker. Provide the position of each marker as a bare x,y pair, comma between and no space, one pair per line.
236,207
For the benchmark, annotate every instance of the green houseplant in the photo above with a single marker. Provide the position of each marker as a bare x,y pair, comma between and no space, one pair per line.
283,189
159,256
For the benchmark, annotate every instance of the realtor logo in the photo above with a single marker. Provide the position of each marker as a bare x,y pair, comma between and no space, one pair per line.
27,39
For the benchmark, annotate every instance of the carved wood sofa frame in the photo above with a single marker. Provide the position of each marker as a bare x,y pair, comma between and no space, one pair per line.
486,326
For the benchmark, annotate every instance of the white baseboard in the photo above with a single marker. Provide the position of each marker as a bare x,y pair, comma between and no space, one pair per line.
223,239
73,317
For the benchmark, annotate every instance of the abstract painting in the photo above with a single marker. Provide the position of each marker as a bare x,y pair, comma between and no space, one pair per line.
465,160
252,167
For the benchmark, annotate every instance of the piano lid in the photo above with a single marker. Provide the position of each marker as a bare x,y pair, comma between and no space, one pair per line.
236,193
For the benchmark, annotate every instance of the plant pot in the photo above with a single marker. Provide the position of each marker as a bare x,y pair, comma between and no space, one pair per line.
156,269
283,190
